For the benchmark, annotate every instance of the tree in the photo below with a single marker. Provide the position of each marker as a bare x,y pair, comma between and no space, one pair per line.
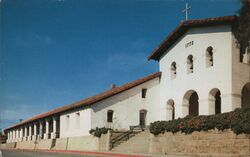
243,28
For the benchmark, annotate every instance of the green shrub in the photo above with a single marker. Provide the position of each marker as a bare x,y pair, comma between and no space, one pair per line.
238,121
99,131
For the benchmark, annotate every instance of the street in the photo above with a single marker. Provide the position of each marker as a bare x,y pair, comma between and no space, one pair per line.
20,153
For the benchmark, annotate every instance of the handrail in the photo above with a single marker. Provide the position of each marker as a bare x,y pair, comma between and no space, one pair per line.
120,137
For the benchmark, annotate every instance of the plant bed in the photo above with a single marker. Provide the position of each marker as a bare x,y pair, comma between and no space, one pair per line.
238,121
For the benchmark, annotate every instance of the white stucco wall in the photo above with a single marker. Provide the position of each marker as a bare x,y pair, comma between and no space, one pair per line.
126,107
70,128
204,78
240,73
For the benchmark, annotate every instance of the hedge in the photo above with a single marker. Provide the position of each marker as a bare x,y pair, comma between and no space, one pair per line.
99,131
238,121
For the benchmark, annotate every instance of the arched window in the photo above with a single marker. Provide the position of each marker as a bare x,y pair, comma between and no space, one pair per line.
214,101
170,104
173,70
191,99
190,64
209,56
245,96
110,116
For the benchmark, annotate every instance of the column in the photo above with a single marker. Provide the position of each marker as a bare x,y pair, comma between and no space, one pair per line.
169,111
25,133
30,133
185,110
53,134
11,137
21,134
8,137
34,137
206,106
46,134
40,136
230,102
16,135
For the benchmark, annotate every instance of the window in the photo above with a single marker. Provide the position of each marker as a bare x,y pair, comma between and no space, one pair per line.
143,92
190,66
209,56
78,120
110,116
173,70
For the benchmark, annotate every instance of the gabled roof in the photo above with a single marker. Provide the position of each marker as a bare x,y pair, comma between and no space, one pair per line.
91,100
183,27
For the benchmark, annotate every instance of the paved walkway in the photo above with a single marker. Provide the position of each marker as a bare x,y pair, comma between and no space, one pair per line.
62,153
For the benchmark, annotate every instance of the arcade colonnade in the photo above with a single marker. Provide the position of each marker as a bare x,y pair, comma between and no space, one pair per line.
215,103
47,128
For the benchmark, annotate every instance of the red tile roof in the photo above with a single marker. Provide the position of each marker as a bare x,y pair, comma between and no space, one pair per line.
91,100
183,27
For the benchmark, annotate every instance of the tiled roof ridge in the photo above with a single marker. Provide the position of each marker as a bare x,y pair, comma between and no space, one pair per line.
90,100
181,29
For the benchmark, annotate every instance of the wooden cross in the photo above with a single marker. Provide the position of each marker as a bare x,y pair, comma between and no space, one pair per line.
186,10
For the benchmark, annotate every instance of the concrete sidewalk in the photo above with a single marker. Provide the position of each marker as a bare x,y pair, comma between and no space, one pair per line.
93,153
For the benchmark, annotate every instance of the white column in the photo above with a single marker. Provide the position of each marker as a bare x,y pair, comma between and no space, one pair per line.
11,136
206,106
21,137
40,129
18,135
35,131
8,137
230,102
15,135
25,133
53,134
185,110
30,133
46,134
169,112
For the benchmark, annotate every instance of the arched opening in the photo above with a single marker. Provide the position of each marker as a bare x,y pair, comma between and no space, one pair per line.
209,56
245,96
191,99
190,64
215,101
170,104
142,118
173,70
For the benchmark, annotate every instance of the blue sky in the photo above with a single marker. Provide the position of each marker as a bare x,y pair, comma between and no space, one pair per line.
56,52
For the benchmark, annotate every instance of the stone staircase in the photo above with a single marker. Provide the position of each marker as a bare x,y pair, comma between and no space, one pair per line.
139,143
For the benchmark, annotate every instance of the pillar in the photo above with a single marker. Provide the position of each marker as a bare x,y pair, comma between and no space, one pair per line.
30,132
16,135
46,134
8,137
206,106
34,137
169,112
25,133
53,134
230,102
40,129
185,110
11,136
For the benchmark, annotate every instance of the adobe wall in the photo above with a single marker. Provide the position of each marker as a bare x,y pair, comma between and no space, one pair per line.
84,143
212,143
